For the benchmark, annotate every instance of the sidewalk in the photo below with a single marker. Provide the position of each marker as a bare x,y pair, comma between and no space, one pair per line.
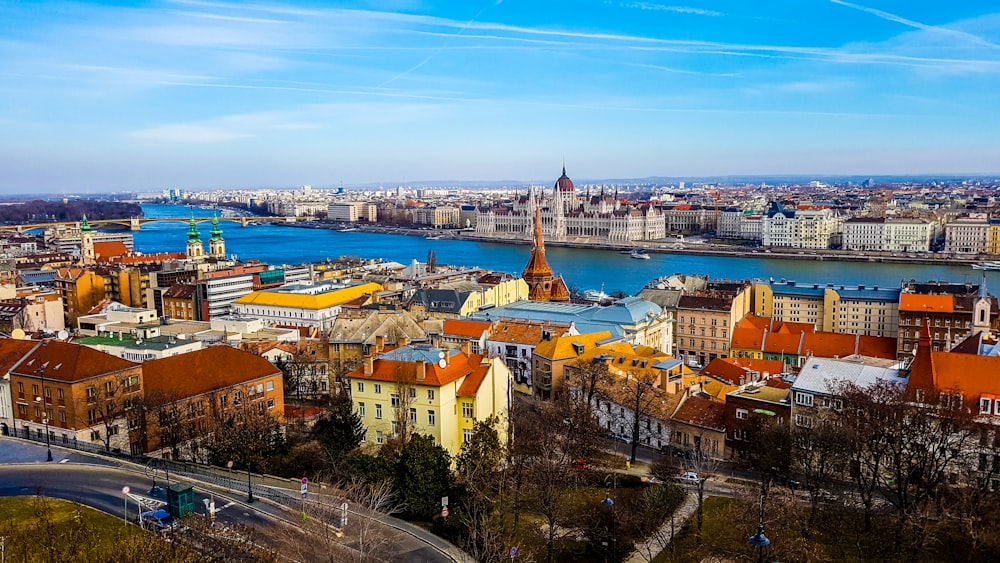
660,539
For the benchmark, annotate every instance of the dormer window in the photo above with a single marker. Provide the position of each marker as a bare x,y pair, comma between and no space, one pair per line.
985,405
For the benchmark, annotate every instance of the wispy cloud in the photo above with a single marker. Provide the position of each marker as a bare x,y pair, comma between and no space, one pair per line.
917,25
651,7
187,133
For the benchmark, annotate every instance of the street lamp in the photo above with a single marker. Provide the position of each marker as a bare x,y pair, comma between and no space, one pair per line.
246,449
45,414
759,540
609,502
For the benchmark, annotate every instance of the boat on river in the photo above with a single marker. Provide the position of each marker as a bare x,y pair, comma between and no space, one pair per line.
639,254
595,296
991,266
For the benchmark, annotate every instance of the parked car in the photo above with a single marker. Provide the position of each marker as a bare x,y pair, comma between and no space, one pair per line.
688,477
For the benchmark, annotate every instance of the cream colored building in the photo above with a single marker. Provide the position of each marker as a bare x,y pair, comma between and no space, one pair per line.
967,235
805,227
427,390
437,217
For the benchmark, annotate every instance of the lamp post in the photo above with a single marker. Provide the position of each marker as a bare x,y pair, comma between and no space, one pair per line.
609,502
246,449
759,540
45,415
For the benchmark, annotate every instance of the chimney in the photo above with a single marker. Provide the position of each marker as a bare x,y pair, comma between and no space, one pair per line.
401,342
369,366
466,348
421,371
379,343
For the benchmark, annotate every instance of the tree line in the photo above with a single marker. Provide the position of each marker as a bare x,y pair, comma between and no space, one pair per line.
39,211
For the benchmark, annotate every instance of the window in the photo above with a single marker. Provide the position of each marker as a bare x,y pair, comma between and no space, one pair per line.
413,416
431,419
394,400
395,428
378,410
803,399
361,387
379,438
466,436
741,414
413,393
361,410
378,388
270,403
430,394
270,386
95,435
260,387
803,421
467,410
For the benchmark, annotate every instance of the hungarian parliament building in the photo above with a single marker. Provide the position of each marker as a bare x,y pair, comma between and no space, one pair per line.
567,216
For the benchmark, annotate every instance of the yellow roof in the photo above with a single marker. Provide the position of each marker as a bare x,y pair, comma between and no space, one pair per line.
561,347
305,301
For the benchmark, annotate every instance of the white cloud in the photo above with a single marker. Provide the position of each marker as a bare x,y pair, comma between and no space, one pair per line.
650,7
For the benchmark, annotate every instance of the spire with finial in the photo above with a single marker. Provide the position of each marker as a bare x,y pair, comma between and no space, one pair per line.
216,232
84,225
983,294
192,233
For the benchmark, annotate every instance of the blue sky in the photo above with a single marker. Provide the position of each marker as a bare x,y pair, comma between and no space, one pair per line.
216,94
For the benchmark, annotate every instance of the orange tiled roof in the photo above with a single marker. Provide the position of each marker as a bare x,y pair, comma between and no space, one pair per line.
107,250
458,365
470,387
467,329
202,371
915,302
561,347
752,364
524,332
64,361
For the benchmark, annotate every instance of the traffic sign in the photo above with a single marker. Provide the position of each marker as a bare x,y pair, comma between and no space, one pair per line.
444,501
125,490
513,552
444,512
305,487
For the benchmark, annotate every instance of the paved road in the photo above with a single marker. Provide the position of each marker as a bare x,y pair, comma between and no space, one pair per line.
98,482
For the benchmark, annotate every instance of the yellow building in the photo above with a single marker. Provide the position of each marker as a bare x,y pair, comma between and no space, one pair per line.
80,290
426,390
302,305
993,242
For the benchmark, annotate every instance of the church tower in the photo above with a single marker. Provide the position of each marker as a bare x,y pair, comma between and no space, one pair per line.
216,244
195,250
87,256
981,310
543,285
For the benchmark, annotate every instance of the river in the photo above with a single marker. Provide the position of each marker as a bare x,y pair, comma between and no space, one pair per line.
582,268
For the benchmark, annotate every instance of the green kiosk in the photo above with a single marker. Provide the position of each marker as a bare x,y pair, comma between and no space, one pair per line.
180,500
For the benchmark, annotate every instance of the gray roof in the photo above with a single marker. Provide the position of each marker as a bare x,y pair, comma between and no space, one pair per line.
587,318
818,375
418,353
815,290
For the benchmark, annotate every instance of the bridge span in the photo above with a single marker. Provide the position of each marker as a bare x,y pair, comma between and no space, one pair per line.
136,223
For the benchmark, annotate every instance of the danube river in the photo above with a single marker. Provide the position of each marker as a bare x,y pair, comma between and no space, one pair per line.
582,268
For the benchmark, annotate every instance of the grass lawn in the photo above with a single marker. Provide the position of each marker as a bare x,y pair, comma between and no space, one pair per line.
40,529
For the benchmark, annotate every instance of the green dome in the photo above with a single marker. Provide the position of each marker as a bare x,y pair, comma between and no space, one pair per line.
193,229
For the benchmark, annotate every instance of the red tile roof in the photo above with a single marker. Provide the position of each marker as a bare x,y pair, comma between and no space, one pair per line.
467,329
202,371
68,362
11,352
459,365
107,250
705,413
801,339
470,387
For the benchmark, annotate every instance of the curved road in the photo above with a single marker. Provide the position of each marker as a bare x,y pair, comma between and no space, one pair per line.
98,482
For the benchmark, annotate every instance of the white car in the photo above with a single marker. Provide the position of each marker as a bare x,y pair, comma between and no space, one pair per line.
688,477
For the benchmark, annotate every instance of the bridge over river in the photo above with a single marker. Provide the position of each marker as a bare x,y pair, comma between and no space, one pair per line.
136,223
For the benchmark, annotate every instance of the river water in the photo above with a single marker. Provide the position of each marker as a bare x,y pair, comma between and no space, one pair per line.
582,268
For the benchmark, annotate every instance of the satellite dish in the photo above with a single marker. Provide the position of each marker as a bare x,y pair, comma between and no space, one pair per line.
17,334
442,363
441,355
63,335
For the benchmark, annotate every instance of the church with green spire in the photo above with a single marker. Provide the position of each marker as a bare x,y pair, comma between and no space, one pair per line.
216,244
87,255
195,250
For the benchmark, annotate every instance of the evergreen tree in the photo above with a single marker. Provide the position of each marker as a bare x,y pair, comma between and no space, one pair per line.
423,476
339,430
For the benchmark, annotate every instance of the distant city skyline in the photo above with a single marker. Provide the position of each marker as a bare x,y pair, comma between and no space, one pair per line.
103,96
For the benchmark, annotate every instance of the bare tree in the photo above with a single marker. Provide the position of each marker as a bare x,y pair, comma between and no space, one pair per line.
109,404
591,377
819,459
